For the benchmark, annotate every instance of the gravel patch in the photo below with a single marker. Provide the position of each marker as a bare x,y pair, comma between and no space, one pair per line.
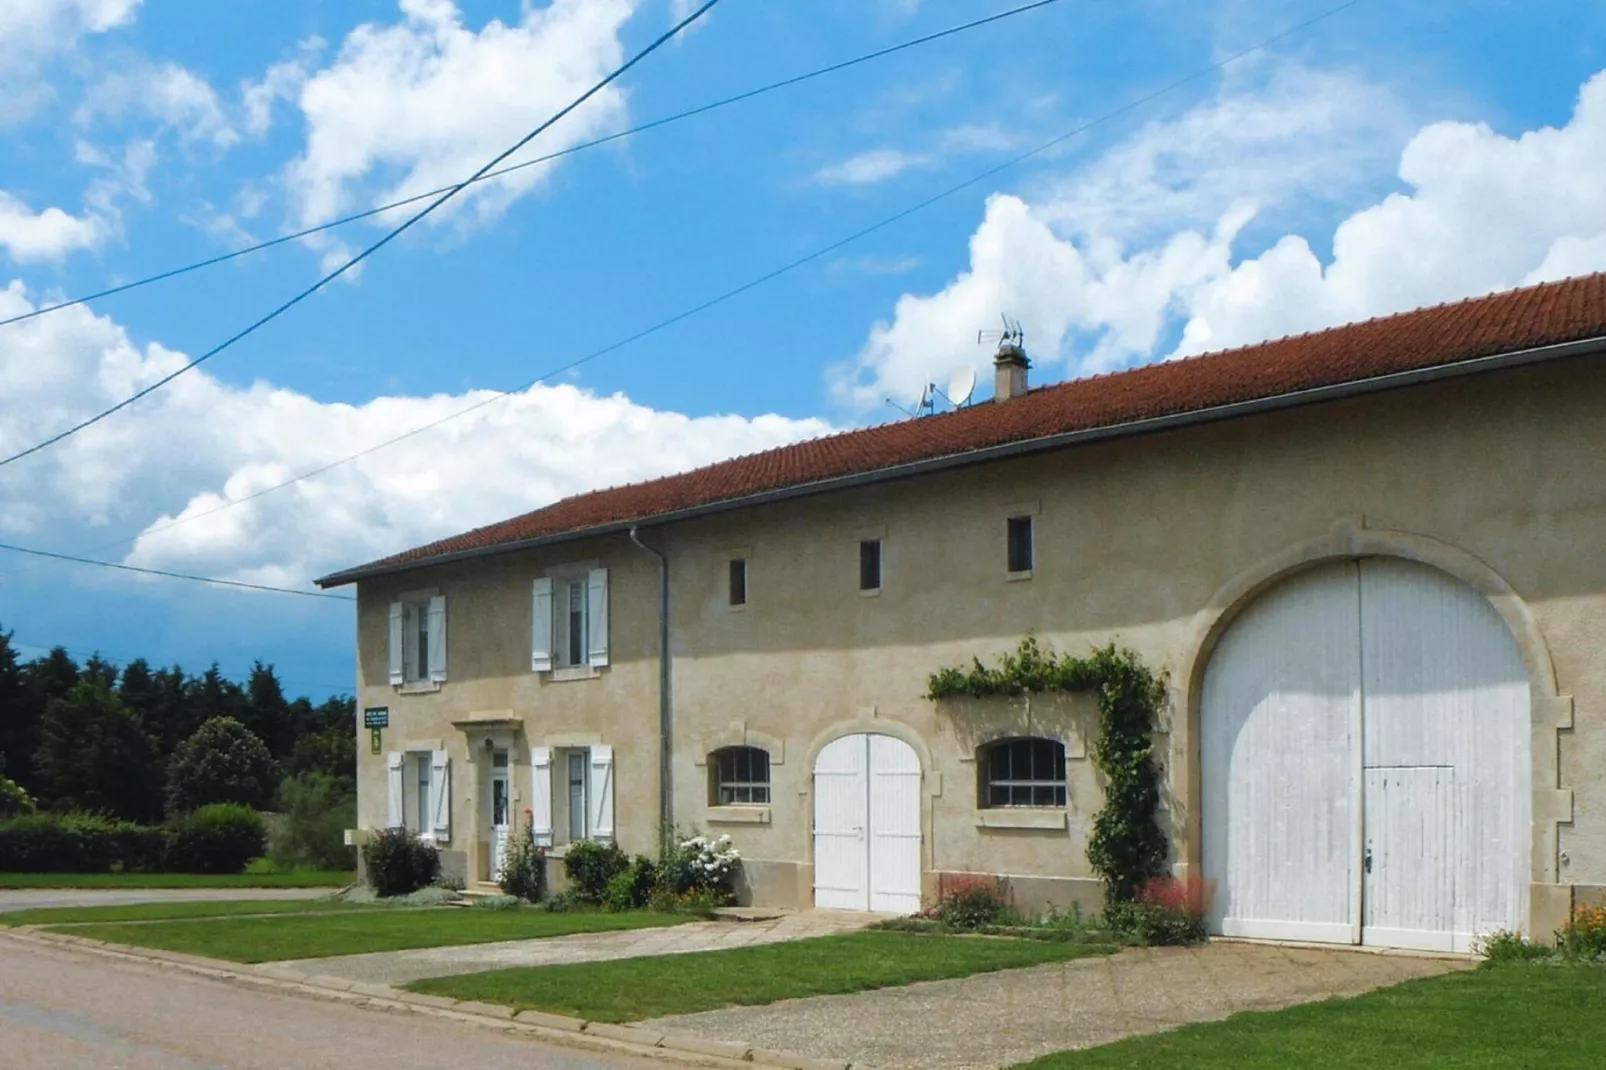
999,1019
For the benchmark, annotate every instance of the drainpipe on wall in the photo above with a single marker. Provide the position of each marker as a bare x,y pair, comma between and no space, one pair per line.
666,717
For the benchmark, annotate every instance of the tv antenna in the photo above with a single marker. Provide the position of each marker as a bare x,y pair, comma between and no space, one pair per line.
1010,335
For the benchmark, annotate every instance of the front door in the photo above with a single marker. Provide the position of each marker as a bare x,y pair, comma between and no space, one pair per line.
501,811
867,825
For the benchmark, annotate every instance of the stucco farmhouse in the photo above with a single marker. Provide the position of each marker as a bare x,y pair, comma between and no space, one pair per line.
1367,562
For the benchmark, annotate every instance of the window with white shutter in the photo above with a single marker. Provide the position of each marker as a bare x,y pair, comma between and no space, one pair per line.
541,795
398,618
541,625
440,797
435,640
597,618
393,783
601,793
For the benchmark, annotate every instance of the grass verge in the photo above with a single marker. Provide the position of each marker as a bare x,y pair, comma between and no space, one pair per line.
359,932
1512,1016
205,908
308,878
628,990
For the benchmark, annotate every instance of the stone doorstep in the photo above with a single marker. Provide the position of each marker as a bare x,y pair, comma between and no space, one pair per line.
470,1010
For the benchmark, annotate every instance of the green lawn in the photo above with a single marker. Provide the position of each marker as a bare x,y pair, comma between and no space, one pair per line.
633,989
383,929
1514,1016
309,878
206,908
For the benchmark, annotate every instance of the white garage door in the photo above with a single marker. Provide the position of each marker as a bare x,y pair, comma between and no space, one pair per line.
1364,751
867,825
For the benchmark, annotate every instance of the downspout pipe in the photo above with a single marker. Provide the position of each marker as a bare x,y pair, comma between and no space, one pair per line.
666,706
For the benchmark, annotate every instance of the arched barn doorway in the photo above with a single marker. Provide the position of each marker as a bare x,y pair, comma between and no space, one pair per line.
1365,762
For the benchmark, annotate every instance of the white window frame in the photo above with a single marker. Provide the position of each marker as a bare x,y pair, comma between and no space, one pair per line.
415,634
553,639
418,640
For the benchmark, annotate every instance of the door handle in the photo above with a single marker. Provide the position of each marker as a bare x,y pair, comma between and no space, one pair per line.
1366,859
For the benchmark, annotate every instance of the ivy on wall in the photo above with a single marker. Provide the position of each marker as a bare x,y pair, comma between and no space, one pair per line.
1127,847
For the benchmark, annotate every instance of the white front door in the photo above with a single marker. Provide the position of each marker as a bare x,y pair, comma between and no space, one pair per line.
1364,751
501,811
867,825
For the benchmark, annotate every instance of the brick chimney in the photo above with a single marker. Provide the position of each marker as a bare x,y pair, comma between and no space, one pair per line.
1009,370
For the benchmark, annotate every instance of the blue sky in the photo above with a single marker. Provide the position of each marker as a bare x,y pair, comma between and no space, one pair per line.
1390,156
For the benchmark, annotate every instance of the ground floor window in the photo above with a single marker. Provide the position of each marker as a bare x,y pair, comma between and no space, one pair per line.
1023,772
741,776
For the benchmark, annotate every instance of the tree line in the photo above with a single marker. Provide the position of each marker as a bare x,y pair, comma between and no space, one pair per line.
96,737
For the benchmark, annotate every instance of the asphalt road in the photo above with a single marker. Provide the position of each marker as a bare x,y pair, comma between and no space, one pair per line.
64,1009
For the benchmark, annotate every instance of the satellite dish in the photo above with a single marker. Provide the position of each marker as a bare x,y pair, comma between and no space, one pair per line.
961,386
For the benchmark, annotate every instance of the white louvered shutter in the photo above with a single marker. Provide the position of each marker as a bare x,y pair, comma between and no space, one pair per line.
437,639
597,616
541,625
602,793
393,793
440,796
397,615
541,795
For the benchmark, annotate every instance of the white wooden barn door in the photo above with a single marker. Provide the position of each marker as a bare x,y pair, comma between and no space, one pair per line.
1278,754
1364,749
1447,731
867,825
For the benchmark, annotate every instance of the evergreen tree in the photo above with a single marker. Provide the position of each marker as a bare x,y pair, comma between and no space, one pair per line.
94,755
19,714
171,715
98,670
267,713
43,681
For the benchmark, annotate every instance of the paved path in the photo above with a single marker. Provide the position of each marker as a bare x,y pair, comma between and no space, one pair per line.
31,898
66,1010
999,1019
399,967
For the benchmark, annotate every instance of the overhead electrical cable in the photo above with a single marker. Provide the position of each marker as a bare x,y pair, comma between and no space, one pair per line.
174,575
547,158
390,236
746,286
1129,106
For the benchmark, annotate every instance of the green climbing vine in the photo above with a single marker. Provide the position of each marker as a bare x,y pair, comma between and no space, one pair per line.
1127,847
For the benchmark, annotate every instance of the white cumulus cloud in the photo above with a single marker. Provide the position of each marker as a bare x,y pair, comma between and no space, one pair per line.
35,32
424,102
49,234
200,441
1132,256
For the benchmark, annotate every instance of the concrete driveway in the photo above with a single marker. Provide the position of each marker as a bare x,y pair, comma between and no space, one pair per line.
999,1019
32,898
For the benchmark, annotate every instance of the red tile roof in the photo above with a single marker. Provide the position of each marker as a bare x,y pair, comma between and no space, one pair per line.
1537,316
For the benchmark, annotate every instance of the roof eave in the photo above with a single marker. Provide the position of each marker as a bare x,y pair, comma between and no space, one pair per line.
1040,444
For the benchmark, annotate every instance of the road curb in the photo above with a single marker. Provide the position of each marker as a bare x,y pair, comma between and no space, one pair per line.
558,1029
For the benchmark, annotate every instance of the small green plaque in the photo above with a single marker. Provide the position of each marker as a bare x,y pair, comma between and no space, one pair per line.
376,717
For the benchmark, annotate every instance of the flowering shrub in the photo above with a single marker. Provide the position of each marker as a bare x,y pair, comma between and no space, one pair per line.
969,901
1584,935
700,864
1166,911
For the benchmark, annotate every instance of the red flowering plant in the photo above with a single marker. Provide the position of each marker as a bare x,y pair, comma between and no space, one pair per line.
1166,910
970,901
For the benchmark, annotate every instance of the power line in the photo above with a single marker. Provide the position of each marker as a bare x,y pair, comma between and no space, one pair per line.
172,575
499,172
756,282
375,247
760,280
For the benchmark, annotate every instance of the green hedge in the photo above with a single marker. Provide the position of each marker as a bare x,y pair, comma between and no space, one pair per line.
93,843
